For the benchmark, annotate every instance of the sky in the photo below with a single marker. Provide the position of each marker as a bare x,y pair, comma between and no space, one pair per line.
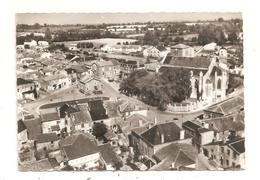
98,18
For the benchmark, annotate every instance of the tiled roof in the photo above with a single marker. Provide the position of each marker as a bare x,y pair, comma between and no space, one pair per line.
108,154
188,62
226,123
81,117
229,106
178,153
170,131
48,137
77,146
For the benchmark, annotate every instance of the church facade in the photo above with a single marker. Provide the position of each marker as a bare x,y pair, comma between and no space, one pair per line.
209,76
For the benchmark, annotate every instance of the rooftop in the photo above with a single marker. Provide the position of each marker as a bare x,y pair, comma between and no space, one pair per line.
178,153
77,146
180,46
108,154
21,81
50,117
97,110
170,131
197,62
33,128
48,137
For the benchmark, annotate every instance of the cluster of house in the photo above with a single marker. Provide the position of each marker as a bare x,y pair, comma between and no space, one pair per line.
61,136
40,45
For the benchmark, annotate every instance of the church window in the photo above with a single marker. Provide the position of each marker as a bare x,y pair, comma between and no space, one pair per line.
219,84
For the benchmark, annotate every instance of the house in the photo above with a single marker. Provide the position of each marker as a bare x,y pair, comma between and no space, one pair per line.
133,121
223,53
47,142
152,51
90,85
108,69
33,126
209,79
224,108
111,160
99,114
78,71
55,82
127,109
81,152
30,45
43,44
126,49
227,154
80,121
176,156
200,135
226,126
51,121
181,50
147,142
26,89
46,164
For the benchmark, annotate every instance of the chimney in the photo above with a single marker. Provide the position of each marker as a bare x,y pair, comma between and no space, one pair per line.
140,122
182,134
162,138
149,126
155,120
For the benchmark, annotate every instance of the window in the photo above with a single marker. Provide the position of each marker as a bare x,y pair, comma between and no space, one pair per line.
82,125
219,84
227,162
234,155
221,161
222,149
233,164
58,122
51,142
228,152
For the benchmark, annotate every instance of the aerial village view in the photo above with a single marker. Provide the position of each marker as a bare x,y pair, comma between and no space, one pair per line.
139,95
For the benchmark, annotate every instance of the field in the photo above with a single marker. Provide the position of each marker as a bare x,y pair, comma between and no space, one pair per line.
96,42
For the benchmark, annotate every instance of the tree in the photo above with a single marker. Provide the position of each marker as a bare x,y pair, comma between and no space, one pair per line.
99,130
232,37
158,89
220,19
48,35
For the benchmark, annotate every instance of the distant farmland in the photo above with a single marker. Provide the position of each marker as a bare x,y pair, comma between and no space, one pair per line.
98,42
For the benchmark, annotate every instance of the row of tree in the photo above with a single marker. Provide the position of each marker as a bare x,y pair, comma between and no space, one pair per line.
160,89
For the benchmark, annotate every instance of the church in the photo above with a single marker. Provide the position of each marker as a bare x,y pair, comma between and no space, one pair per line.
209,75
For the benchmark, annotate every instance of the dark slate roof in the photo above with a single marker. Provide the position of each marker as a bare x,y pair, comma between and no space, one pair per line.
79,145
21,81
97,110
108,154
75,101
21,126
50,117
188,62
48,137
191,125
161,48
238,146
170,131
33,128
